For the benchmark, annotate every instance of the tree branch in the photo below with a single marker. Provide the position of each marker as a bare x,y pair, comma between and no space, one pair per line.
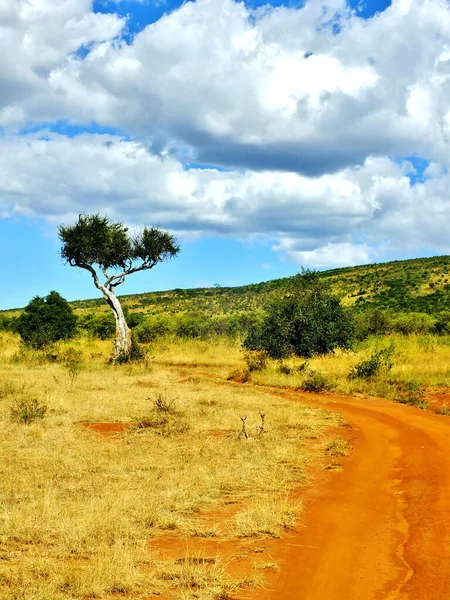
118,279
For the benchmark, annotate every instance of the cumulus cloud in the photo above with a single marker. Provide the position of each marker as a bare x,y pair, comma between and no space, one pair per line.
37,37
306,107
276,88
311,89
334,219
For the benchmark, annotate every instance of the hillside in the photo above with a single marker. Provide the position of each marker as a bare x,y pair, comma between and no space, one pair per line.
421,285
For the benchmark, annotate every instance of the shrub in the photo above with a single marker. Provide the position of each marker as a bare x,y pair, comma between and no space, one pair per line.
72,360
7,323
315,382
411,392
413,323
284,369
135,354
191,326
442,324
239,375
373,322
379,361
305,322
152,328
26,410
256,360
46,320
164,404
100,325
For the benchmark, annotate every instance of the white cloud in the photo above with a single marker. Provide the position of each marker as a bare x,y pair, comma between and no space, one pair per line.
305,118
239,88
353,216
329,255
36,38
236,87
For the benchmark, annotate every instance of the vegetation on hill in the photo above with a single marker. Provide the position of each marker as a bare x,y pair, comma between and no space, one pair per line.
400,296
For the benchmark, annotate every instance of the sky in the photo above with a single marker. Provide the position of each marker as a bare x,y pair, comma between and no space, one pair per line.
266,137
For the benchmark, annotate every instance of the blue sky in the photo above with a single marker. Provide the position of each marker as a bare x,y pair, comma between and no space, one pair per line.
266,136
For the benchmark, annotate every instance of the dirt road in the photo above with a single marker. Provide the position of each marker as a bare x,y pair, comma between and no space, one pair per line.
380,529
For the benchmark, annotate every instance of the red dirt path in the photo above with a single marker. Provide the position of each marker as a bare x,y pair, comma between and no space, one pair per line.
381,528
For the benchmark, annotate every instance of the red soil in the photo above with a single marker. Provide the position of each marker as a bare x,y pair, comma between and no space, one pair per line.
106,429
380,529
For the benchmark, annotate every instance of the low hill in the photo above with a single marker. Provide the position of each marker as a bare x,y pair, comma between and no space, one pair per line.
415,285
421,285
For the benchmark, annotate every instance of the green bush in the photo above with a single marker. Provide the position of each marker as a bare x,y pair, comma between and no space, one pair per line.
307,321
46,320
413,323
192,326
153,328
380,360
98,324
372,322
26,410
442,323
7,323
316,382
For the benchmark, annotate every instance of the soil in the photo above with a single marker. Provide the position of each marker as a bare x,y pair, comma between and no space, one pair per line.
380,529
106,429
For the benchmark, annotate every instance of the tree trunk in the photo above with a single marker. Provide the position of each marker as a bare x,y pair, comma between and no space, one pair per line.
122,344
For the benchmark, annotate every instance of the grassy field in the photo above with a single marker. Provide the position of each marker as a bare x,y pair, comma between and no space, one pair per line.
81,514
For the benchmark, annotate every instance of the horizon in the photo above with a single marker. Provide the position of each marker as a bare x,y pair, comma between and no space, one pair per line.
218,286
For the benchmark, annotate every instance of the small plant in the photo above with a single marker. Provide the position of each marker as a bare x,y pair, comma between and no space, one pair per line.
164,404
379,361
303,367
26,410
338,447
72,361
410,392
243,433
284,369
256,360
239,375
315,382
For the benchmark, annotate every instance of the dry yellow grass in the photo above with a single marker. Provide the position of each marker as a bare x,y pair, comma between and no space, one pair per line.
419,361
78,513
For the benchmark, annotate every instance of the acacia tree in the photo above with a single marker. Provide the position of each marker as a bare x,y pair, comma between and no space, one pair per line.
102,247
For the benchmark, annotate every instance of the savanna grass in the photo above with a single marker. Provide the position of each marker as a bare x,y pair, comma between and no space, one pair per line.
79,513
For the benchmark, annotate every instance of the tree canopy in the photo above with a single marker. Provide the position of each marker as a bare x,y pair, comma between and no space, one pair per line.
95,240
306,321
46,320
